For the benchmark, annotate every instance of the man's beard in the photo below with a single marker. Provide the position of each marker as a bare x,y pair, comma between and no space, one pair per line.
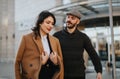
70,25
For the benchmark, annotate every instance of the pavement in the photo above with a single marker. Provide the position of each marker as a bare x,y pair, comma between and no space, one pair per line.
7,72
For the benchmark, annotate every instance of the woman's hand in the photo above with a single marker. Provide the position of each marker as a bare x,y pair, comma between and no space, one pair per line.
53,58
44,57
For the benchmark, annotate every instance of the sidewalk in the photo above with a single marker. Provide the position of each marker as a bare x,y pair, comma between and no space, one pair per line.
7,72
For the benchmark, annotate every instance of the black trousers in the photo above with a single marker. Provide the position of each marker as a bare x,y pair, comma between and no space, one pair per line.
46,73
48,70
71,77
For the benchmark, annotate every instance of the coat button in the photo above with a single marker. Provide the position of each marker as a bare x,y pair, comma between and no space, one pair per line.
47,65
30,65
25,73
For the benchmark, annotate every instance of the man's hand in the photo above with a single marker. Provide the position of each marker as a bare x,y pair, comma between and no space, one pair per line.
99,76
53,57
44,57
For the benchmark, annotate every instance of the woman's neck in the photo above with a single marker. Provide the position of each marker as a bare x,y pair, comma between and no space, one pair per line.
42,33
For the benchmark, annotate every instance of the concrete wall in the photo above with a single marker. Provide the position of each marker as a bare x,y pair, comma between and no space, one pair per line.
7,30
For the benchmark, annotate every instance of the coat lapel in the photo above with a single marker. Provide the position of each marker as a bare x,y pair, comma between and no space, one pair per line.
50,42
38,44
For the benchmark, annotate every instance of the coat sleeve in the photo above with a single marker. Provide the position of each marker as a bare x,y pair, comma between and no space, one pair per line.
19,59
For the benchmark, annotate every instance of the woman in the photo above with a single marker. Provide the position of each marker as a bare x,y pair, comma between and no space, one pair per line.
39,55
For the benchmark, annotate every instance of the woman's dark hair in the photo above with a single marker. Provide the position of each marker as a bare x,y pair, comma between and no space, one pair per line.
41,17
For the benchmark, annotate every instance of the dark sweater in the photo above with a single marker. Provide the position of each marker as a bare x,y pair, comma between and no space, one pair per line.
73,46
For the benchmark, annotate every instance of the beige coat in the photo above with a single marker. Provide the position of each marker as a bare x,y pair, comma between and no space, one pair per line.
28,59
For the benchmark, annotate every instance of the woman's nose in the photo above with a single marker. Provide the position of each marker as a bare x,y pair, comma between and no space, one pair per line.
51,25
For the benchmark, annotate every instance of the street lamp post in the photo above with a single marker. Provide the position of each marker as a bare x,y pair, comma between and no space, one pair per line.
112,39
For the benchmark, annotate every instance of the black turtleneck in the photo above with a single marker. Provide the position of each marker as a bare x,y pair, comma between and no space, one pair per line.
73,45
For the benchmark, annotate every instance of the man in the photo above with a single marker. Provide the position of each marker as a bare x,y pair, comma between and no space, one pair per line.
73,42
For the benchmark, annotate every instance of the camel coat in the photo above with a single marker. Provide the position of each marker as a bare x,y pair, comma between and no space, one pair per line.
28,59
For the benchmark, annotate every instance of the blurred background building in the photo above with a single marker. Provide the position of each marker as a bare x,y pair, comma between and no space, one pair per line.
17,17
